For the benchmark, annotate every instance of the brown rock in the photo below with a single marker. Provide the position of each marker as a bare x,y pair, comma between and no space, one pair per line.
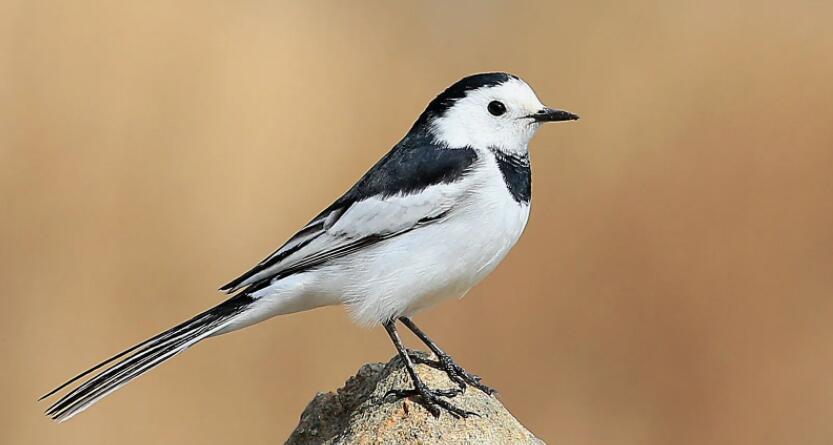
357,414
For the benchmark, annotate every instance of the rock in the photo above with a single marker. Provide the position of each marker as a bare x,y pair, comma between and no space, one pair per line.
357,413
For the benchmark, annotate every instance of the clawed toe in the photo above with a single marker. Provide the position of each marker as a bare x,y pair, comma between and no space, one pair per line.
420,358
454,371
432,399
469,378
396,394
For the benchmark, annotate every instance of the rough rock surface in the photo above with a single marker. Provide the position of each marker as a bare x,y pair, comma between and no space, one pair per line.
357,414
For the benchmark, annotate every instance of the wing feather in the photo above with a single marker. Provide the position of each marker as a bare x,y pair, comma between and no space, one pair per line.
410,187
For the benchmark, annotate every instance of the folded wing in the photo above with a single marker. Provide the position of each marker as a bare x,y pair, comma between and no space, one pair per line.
415,184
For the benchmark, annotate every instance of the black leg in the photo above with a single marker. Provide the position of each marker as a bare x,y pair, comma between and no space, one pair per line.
432,400
455,372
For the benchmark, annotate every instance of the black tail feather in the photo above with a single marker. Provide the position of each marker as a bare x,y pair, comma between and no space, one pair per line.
141,346
141,358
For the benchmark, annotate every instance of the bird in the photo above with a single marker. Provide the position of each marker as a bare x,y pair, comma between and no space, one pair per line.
432,218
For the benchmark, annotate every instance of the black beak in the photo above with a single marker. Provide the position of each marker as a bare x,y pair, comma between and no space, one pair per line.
550,115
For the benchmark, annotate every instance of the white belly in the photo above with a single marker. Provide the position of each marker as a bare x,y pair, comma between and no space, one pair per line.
410,272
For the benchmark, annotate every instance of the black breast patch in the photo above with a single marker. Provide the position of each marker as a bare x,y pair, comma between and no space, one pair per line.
516,174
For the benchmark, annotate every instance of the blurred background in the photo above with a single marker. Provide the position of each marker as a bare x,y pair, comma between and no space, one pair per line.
673,285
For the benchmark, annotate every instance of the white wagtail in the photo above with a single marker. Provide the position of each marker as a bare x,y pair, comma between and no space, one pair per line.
431,219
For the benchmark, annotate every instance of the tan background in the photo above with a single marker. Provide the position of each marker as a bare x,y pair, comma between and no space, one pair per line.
675,284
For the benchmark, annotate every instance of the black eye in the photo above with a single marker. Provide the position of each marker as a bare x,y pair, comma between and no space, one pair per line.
496,108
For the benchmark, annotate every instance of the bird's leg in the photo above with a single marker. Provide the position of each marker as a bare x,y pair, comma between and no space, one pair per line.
432,400
455,372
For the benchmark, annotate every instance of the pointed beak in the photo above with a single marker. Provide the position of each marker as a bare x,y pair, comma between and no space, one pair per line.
550,115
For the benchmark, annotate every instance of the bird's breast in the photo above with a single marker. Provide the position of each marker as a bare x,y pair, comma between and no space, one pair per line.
500,204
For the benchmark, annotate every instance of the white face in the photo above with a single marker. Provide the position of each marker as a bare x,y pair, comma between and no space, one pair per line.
472,122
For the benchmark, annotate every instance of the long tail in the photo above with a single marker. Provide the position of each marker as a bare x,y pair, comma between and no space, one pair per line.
143,357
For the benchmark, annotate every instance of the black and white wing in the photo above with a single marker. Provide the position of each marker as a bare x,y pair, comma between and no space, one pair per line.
412,186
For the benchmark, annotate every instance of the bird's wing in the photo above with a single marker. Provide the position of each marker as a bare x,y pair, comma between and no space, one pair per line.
412,186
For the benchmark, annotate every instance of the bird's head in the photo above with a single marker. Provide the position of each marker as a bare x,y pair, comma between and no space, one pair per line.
488,110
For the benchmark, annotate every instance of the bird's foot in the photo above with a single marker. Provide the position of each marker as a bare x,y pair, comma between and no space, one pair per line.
454,371
432,399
